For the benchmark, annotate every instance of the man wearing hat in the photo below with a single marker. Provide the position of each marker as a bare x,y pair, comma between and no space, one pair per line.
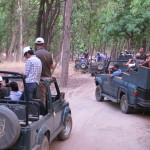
47,65
32,72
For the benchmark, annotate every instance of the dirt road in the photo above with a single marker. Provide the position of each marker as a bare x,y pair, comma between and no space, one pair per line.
101,125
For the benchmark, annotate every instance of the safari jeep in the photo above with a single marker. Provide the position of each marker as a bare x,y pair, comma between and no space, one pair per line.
81,64
29,124
97,66
132,90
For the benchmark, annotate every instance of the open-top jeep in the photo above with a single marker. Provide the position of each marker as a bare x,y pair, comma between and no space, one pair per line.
30,124
81,64
132,90
97,66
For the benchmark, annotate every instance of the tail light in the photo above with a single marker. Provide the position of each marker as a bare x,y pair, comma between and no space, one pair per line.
136,92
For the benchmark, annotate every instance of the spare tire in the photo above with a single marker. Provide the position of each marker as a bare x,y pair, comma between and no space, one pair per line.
9,128
83,65
100,67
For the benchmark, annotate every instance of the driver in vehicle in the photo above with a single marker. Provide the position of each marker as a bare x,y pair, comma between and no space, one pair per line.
117,71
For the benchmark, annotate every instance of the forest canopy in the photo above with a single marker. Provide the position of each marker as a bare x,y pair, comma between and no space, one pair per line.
95,25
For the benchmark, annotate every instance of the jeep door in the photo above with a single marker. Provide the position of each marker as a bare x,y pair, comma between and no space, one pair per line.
57,104
107,85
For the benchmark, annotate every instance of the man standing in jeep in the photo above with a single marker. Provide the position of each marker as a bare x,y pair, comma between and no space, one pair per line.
47,65
32,72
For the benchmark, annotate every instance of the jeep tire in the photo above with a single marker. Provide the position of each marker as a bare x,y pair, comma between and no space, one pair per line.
83,65
100,67
9,128
124,106
98,94
65,133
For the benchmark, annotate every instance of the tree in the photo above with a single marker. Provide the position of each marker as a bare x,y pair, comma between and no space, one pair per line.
66,43
48,14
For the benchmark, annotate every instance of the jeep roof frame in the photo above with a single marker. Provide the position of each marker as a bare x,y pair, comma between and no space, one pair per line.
16,75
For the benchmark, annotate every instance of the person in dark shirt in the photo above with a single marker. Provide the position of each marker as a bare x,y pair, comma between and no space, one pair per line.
45,57
146,63
98,57
1,88
47,65
86,54
142,53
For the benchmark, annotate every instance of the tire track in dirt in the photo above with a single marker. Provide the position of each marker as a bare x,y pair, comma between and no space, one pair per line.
102,126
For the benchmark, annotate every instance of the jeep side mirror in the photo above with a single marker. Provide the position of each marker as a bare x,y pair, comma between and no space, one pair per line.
62,95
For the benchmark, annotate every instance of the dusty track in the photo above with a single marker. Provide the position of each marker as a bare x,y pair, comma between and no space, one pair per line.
101,125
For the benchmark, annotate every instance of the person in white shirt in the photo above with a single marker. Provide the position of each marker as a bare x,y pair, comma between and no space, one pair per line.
131,64
15,94
32,72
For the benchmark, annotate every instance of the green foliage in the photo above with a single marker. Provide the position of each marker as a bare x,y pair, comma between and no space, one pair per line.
110,22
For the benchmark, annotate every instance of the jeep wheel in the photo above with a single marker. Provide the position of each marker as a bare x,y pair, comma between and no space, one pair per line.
93,74
45,144
76,67
98,94
100,67
65,133
9,128
83,66
125,108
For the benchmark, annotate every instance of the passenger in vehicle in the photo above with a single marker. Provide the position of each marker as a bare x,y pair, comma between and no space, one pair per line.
86,54
131,64
146,63
32,74
142,54
2,85
15,94
98,57
117,71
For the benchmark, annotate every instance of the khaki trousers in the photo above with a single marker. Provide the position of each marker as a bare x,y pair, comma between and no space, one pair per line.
43,90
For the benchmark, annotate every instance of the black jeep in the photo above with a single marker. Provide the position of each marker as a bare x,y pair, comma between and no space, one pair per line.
30,124
81,64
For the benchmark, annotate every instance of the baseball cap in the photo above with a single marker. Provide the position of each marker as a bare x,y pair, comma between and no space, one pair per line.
39,40
26,49
1,79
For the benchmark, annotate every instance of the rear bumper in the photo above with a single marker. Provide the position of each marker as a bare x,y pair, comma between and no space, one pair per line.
94,69
143,103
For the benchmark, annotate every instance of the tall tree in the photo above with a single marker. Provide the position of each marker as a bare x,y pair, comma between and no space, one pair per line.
48,14
66,43
20,29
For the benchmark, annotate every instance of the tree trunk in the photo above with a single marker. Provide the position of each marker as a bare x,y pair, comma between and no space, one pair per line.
9,51
48,14
20,30
144,44
66,44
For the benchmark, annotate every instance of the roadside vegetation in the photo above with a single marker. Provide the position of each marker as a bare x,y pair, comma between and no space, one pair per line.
73,26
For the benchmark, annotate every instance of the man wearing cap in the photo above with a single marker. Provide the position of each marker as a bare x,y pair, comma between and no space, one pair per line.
117,71
32,72
47,65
